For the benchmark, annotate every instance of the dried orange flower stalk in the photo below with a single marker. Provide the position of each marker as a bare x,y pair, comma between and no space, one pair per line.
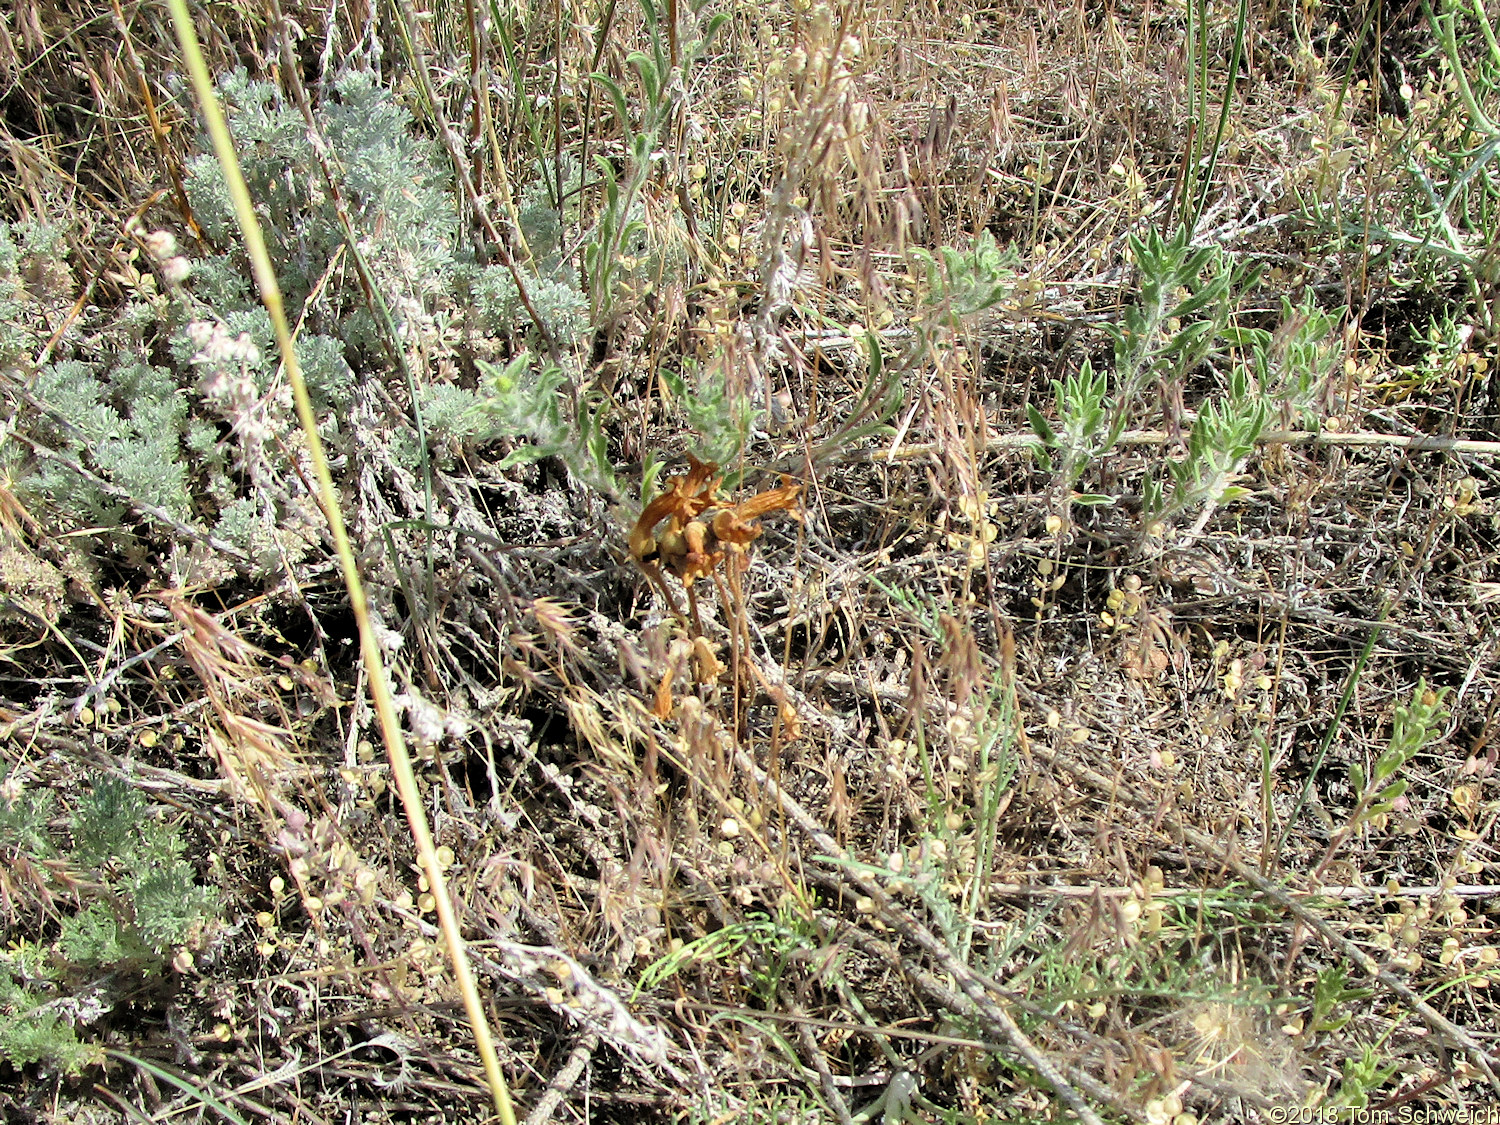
701,531
700,534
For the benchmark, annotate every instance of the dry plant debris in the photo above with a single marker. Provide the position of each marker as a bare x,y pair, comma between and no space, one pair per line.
1114,737
702,533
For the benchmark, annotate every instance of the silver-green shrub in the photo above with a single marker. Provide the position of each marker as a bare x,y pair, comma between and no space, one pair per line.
184,409
135,901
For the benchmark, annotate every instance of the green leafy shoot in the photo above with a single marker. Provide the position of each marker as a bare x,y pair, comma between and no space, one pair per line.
961,283
1330,990
1082,406
541,408
1413,726
721,417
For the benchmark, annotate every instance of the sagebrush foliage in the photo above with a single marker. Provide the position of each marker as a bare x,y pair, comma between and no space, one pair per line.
397,194
143,401
154,902
136,901
33,1031
17,338
129,420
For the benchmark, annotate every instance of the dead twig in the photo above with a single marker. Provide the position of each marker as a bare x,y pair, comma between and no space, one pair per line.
563,1082
974,988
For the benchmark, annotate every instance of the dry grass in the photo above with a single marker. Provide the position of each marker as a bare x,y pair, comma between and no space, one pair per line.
947,797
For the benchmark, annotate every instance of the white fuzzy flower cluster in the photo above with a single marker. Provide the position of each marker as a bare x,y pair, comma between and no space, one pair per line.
215,346
428,723
227,383
162,246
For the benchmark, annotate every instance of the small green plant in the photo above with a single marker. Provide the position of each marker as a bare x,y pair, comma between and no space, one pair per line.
769,942
143,902
540,406
1181,320
950,869
967,767
1222,439
619,243
33,1030
1449,351
1454,198
962,283
1361,1077
620,225
720,417
1413,726
1331,991
993,743
155,903
1292,364
1175,324
34,276
23,818
1080,438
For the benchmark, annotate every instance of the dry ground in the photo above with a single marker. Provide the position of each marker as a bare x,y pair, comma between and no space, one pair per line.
948,799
